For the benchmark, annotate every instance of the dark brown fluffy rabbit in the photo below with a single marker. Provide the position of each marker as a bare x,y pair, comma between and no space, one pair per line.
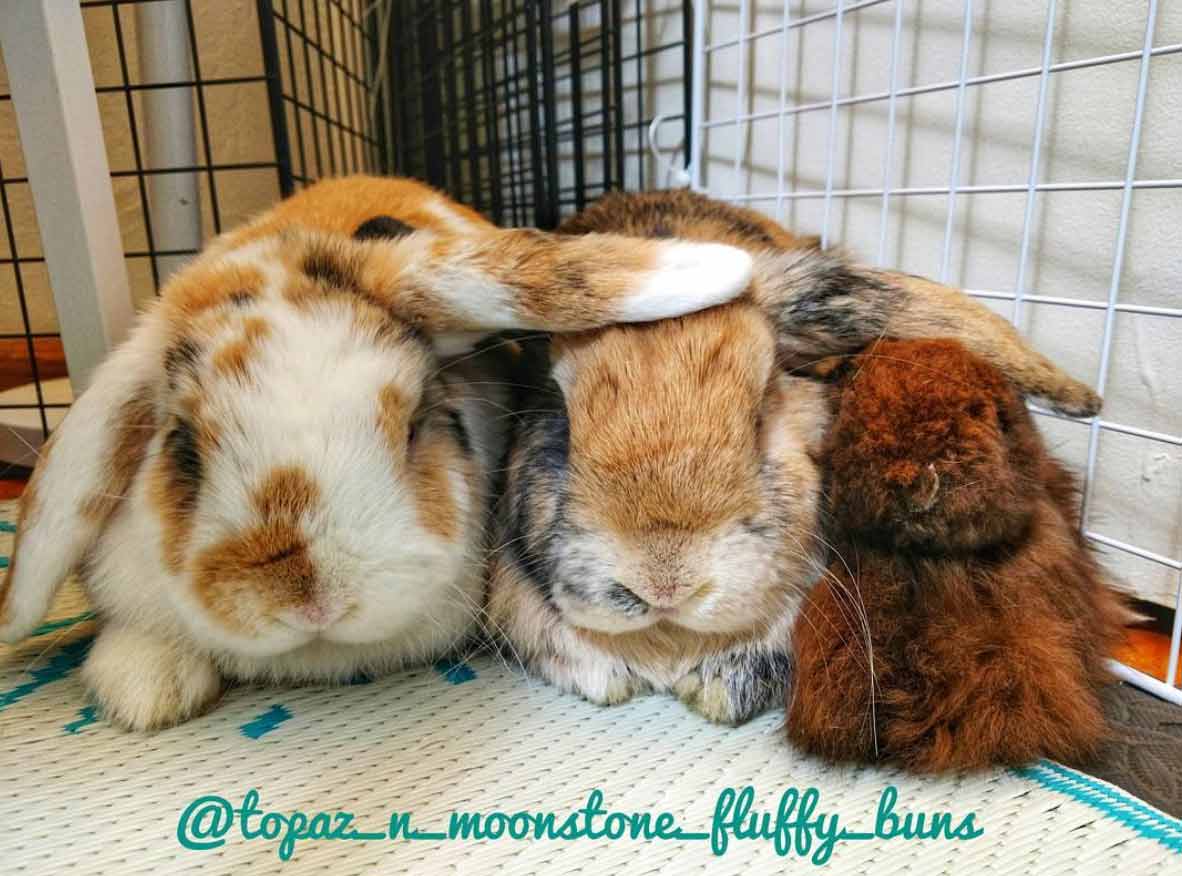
986,620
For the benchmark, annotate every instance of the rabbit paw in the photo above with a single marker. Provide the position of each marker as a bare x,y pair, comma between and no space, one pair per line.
708,697
142,682
600,679
733,688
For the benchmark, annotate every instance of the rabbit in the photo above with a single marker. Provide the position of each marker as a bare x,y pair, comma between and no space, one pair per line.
274,478
661,518
963,621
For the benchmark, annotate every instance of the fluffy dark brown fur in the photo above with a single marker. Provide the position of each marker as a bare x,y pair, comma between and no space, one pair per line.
987,620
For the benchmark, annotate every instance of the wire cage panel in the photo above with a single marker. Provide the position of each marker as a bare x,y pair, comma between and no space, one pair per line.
1025,152
527,111
327,107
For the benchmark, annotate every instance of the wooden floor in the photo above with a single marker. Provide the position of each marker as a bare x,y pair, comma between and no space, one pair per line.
15,368
1149,651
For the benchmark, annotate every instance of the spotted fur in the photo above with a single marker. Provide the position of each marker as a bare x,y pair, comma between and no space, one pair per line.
278,476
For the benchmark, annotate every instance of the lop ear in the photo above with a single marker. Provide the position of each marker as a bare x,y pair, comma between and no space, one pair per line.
83,474
824,305
520,279
388,228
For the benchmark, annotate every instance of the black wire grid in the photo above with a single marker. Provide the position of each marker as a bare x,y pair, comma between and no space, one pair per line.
326,113
528,109
523,109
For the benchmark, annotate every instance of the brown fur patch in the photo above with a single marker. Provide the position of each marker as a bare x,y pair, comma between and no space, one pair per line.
204,287
233,358
135,426
175,479
287,493
394,413
347,275
332,263
432,465
267,567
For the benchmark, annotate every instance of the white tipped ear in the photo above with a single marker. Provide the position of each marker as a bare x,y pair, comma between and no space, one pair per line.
82,476
687,277
519,279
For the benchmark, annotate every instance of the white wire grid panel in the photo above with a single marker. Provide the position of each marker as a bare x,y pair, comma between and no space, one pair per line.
1026,152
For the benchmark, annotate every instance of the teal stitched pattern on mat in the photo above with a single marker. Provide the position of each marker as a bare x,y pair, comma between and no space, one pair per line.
456,673
86,717
1129,811
266,722
50,626
60,665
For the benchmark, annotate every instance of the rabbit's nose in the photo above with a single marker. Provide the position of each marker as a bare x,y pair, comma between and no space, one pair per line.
665,591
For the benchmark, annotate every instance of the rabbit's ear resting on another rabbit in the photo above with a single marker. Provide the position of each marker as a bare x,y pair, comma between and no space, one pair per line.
824,304
484,282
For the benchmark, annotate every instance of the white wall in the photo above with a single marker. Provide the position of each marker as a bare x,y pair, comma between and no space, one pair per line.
1072,241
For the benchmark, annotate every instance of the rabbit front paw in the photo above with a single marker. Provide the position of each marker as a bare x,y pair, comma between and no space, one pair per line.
601,680
734,687
143,682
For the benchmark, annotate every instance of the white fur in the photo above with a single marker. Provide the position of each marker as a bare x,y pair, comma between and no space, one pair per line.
50,550
393,591
688,277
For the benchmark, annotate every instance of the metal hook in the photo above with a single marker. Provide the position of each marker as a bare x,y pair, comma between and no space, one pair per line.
679,176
